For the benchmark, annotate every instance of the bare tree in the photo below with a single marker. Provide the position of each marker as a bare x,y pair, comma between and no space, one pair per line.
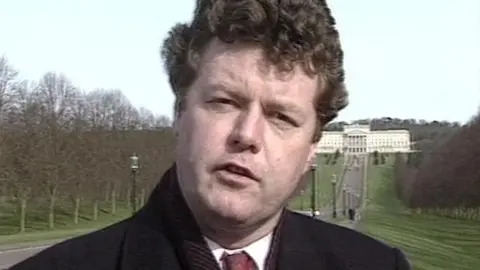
22,134
7,95
69,148
58,97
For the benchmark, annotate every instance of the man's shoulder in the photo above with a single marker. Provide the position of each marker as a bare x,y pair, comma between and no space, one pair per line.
347,244
100,246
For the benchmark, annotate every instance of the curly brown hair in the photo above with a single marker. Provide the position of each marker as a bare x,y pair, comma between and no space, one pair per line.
290,32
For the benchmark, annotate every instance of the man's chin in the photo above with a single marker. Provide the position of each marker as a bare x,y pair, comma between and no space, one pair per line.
234,213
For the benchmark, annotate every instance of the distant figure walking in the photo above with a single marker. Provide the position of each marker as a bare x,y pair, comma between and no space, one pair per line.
351,214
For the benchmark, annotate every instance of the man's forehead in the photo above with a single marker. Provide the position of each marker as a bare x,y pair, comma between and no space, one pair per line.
219,54
243,69
242,74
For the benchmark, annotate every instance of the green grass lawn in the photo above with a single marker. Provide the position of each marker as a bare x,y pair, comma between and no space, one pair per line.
37,225
430,242
323,185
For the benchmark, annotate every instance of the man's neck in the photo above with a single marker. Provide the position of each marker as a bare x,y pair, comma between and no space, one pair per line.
238,237
225,232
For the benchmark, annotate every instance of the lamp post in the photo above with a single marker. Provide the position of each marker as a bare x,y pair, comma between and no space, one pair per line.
344,200
349,198
334,192
313,198
302,200
134,168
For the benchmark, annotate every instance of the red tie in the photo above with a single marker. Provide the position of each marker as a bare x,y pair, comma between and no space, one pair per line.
238,261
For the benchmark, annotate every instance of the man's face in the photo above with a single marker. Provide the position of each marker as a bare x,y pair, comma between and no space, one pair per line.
245,135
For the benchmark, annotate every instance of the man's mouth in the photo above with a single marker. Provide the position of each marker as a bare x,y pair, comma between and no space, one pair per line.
238,169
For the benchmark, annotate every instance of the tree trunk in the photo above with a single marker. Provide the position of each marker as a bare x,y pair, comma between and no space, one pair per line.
129,201
95,210
76,209
51,212
3,192
23,214
113,201
107,192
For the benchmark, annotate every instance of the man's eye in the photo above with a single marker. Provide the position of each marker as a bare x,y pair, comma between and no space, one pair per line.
284,119
222,103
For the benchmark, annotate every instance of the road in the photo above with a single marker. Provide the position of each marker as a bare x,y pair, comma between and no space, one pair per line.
10,257
354,183
353,180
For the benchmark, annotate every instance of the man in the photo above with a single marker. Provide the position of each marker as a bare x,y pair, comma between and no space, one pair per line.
255,82
351,214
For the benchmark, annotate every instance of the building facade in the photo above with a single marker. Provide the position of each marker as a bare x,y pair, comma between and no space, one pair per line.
357,139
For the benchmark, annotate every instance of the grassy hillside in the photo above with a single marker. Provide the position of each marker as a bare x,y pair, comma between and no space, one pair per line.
431,242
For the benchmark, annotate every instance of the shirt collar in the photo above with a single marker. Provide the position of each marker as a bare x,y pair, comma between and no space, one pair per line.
257,250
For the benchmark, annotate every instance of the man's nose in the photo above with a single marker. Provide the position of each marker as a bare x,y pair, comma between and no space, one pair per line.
247,133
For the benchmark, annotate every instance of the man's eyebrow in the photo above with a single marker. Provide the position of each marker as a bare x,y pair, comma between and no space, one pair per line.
229,89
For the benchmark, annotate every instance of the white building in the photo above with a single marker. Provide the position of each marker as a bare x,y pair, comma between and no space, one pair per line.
360,139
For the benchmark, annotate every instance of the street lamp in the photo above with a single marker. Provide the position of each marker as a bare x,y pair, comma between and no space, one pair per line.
313,172
334,192
302,199
344,200
134,168
349,198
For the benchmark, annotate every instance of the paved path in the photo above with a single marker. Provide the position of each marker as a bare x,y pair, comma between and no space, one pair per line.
10,257
354,182
14,253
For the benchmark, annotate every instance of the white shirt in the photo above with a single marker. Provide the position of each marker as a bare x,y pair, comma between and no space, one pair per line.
257,250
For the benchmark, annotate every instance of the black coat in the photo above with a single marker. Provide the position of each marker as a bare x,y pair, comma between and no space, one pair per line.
164,236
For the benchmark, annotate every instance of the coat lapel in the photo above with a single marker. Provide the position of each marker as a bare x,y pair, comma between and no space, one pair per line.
183,230
147,245
303,249
146,248
164,234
